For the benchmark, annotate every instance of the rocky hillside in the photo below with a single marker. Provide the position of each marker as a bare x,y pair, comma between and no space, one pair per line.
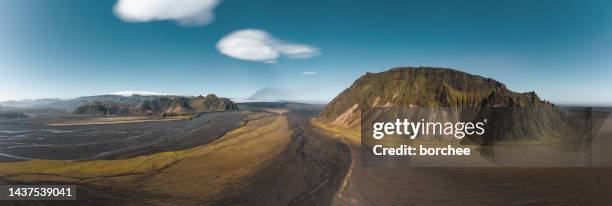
186,106
212,103
164,106
440,87
103,108
179,106
155,106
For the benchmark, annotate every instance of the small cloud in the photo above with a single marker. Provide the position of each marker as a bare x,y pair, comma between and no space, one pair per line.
131,93
309,72
260,46
185,12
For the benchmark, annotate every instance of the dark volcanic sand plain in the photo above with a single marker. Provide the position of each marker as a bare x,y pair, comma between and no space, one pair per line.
308,172
25,139
276,158
483,186
281,159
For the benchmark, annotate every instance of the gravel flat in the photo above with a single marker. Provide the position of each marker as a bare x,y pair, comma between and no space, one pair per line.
30,139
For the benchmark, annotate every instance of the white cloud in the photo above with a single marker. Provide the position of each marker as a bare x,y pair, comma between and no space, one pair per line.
185,12
143,93
258,45
309,72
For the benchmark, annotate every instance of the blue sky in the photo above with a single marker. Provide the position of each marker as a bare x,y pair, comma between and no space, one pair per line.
70,48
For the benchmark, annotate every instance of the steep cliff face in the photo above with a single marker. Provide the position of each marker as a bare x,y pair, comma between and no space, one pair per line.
439,87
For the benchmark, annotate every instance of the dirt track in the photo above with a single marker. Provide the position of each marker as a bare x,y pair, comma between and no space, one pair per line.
308,172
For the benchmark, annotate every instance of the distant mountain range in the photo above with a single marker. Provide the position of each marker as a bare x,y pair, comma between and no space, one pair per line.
272,94
70,104
124,104
440,87
165,106
134,98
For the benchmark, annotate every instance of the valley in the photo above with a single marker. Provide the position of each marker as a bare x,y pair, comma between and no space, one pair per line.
274,153
305,103
283,153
